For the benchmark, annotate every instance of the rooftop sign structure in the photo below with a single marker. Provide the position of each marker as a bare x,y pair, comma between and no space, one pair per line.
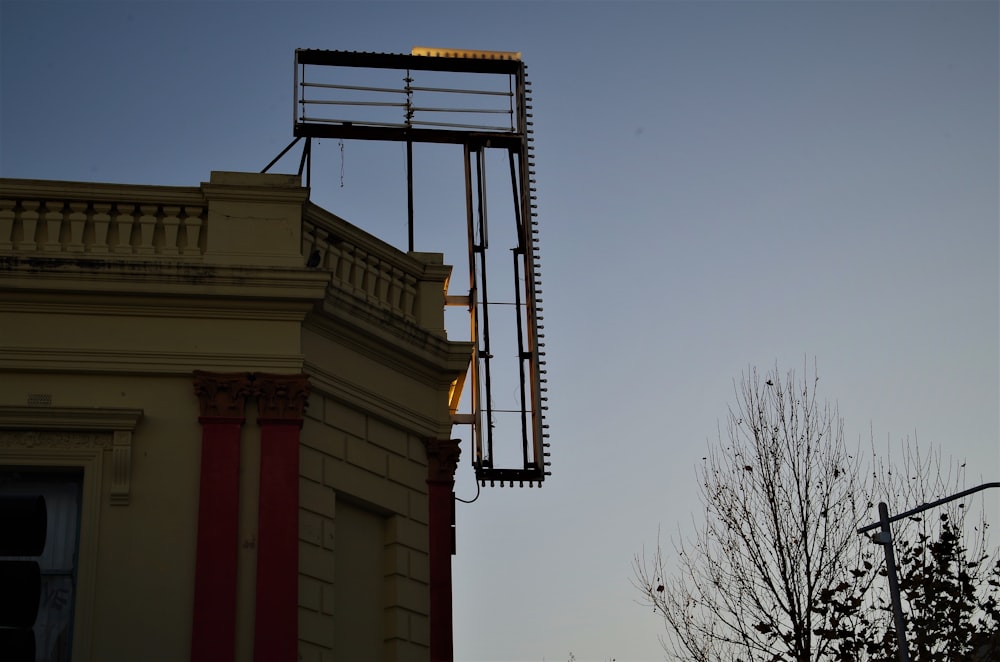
475,55
481,101
331,103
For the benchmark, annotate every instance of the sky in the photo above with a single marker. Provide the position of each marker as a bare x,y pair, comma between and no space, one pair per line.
720,185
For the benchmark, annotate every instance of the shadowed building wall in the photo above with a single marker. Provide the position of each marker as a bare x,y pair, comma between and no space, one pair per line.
248,431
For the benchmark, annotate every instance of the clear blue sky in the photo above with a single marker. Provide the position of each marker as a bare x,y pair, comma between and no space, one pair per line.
720,185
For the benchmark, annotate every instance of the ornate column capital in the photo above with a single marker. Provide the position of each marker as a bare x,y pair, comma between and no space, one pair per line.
281,396
222,394
442,459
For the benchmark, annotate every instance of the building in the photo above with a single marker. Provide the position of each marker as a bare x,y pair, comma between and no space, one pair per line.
238,408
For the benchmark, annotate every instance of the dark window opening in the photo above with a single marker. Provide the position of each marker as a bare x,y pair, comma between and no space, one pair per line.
62,488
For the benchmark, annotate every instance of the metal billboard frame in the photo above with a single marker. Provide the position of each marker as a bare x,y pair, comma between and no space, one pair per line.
323,110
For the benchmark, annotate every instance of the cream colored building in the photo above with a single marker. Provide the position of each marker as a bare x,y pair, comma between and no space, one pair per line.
237,406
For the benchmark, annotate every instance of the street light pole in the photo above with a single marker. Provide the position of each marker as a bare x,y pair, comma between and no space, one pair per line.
884,538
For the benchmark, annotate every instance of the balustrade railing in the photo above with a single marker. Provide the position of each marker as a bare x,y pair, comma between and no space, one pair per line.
360,265
41,219
50,227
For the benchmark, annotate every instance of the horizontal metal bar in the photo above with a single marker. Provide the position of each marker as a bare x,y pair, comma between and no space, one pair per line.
355,123
486,473
398,61
331,102
504,111
332,86
370,131
460,91
457,300
482,127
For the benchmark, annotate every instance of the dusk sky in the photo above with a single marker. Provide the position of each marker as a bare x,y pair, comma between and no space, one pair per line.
720,185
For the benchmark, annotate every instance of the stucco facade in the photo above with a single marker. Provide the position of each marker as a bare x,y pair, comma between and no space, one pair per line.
251,398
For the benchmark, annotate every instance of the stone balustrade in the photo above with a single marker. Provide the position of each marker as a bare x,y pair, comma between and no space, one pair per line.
236,220
361,265
42,226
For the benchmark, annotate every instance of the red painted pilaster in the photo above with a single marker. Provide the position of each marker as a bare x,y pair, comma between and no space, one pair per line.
221,397
281,400
442,460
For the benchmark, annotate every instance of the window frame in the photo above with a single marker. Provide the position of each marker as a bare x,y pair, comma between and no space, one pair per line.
79,438
48,481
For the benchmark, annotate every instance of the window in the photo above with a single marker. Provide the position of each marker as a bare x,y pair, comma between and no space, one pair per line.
61,447
62,489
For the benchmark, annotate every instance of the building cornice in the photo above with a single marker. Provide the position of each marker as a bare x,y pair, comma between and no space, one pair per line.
405,347
268,310
80,419
69,276
55,190
392,411
158,362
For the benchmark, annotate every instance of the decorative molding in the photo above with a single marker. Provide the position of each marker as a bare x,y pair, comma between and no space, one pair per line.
442,459
393,411
68,418
45,189
197,309
403,346
46,440
160,276
84,450
121,467
281,396
222,393
44,433
157,362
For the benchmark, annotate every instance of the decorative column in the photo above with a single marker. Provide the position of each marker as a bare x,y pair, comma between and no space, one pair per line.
221,397
281,400
442,461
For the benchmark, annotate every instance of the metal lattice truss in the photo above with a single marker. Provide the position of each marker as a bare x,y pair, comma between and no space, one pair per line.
482,101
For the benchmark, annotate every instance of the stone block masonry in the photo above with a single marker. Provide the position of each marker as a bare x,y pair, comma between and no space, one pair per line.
363,486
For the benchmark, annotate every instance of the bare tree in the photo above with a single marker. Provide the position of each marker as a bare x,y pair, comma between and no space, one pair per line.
776,570
783,496
948,574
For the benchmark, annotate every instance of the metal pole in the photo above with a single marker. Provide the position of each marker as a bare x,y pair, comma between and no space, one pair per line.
885,538
278,157
409,193
409,159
